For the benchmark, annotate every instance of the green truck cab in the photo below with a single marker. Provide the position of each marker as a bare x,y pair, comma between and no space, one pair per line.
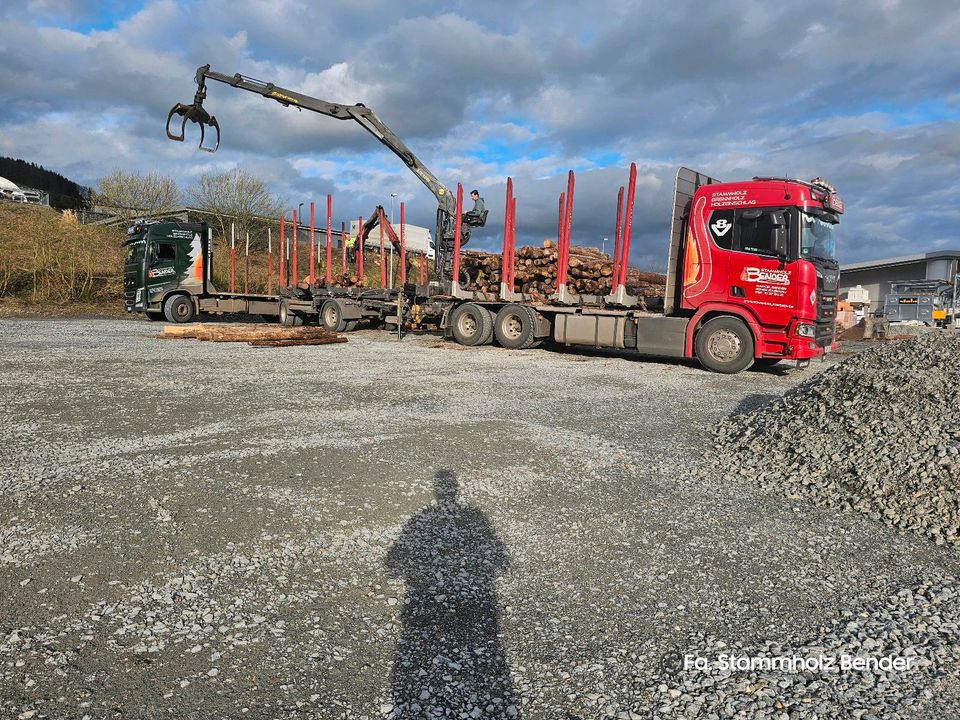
166,270
168,275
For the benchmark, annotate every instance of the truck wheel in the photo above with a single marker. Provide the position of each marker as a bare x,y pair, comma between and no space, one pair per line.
331,317
155,315
178,309
514,327
472,324
287,317
724,345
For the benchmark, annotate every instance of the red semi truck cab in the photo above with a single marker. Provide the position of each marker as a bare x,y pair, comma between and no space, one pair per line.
763,251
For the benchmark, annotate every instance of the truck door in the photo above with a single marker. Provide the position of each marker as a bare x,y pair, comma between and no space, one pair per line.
761,274
161,265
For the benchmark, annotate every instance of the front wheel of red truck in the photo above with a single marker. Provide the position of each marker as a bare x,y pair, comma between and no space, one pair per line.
724,345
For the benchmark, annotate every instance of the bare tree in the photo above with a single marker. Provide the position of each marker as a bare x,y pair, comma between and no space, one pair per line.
133,194
236,196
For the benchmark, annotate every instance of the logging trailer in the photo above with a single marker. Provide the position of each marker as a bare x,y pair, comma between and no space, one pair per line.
751,279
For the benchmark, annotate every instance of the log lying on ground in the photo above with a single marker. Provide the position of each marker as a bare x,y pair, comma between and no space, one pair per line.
589,272
256,335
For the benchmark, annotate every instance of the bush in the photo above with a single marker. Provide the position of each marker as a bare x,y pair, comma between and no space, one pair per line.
50,258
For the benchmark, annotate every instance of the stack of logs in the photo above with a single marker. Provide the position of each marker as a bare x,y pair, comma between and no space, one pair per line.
589,272
348,280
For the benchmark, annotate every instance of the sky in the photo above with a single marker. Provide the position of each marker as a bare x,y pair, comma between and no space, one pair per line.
864,94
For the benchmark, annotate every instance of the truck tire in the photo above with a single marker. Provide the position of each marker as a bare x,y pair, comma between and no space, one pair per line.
514,327
178,309
331,316
155,315
724,345
472,324
287,317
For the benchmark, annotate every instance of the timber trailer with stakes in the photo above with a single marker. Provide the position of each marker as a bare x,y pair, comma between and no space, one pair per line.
751,278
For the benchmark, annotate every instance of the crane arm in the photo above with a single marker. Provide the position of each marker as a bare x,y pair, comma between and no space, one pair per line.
363,115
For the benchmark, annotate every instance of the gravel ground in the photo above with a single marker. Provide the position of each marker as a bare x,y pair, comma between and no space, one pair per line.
411,529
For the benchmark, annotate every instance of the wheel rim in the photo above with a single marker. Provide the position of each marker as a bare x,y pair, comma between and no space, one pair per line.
512,326
724,346
467,325
181,310
330,317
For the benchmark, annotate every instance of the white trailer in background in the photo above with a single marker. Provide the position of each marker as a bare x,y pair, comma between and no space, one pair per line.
11,191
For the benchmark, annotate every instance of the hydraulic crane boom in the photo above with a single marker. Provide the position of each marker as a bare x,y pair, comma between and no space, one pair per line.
363,115
366,117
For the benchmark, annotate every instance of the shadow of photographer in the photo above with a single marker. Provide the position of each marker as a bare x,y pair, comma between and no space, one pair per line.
449,657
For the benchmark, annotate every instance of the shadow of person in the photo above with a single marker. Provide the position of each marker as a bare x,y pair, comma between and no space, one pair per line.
449,659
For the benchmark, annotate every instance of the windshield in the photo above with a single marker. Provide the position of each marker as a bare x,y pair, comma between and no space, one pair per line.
135,253
818,238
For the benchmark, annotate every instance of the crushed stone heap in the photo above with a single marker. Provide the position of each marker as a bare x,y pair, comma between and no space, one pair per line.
878,433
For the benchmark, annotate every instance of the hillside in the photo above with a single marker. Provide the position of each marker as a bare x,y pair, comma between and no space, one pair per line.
64,193
49,261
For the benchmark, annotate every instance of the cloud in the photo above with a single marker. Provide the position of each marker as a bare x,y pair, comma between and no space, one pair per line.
864,94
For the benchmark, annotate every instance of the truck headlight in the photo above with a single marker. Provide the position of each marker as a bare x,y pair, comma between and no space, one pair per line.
805,330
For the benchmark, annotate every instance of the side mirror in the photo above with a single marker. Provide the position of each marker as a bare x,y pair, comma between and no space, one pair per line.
778,241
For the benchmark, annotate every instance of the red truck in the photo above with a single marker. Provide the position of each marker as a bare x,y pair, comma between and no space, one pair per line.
752,274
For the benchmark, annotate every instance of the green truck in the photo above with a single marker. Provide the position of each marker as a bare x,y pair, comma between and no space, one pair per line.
167,275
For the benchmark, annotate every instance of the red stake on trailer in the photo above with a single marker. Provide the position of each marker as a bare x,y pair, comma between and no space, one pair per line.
423,269
513,241
567,222
293,254
269,261
383,264
617,239
312,258
329,277
282,280
360,246
343,247
246,265
456,236
627,224
505,262
403,247
233,261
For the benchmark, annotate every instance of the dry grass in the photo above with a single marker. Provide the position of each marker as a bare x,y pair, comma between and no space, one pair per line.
48,258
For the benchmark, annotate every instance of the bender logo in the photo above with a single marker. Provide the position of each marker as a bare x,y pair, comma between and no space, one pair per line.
765,275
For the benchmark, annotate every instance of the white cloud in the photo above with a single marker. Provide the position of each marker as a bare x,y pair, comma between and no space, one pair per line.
862,93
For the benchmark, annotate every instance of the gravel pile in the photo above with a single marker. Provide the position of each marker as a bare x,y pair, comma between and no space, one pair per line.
877,663
878,434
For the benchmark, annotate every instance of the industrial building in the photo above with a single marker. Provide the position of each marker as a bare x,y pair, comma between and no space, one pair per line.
875,276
